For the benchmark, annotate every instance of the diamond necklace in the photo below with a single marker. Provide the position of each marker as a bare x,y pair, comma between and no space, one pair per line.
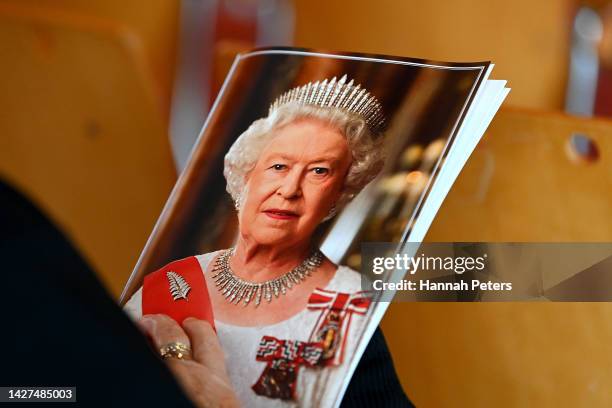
235,289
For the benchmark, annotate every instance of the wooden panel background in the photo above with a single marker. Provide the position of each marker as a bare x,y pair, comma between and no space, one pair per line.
152,26
519,185
529,41
83,132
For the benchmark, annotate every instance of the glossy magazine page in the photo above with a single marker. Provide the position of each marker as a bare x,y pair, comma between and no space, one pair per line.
304,156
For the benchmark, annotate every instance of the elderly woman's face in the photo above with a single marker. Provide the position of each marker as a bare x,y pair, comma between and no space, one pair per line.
295,183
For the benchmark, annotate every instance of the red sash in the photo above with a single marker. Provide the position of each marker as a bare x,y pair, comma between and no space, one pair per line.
190,300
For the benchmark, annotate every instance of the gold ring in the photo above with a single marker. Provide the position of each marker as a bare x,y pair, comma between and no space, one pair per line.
175,350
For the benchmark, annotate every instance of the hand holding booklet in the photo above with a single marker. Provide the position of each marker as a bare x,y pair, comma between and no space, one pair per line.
304,156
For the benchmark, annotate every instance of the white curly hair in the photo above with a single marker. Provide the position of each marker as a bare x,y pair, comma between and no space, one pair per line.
366,150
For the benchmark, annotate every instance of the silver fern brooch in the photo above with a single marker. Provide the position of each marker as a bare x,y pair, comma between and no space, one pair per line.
179,288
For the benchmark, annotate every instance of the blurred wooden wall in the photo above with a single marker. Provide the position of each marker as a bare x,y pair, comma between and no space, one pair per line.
521,184
529,41
84,107
151,26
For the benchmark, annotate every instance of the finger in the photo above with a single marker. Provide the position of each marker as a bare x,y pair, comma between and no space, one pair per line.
163,330
206,348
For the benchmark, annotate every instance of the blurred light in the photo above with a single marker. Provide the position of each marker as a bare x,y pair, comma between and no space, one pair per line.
414,177
588,25
434,150
393,184
584,62
191,86
411,156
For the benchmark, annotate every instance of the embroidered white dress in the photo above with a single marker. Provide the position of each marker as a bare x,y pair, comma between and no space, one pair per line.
316,387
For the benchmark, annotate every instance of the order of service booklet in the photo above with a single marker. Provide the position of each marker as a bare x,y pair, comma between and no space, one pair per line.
304,156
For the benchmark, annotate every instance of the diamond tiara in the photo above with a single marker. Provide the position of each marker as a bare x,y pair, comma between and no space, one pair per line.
337,94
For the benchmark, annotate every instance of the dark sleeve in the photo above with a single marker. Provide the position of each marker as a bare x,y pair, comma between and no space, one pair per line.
375,383
61,328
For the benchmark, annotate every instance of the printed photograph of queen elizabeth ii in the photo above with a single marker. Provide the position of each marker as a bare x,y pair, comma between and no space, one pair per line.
318,152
